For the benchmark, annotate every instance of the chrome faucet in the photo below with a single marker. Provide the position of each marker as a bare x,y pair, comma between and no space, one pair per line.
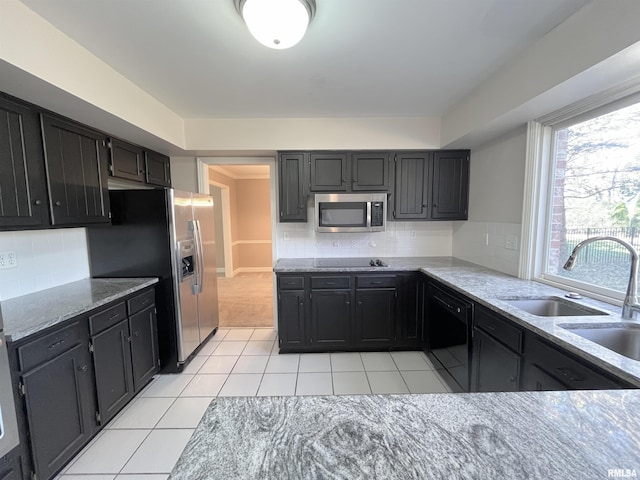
630,304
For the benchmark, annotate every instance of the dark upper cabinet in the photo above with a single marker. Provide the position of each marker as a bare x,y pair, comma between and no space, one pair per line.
328,172
77,168
292,187
370,171
412,186
157,169
127,161
450,197
23,192
145,358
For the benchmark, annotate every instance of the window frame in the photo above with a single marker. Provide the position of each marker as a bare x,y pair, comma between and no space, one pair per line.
538,194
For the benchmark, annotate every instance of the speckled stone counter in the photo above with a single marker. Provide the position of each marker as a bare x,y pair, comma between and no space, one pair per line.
29,314
529,435
490,288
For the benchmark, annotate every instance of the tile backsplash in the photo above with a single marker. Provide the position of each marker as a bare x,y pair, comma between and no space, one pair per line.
401,239
45,259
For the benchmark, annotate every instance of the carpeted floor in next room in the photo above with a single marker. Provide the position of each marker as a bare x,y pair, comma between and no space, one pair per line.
246,300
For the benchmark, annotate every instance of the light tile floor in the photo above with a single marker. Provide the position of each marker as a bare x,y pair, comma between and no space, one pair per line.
145,440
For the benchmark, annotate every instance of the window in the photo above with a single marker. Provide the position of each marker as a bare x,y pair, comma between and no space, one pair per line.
593,189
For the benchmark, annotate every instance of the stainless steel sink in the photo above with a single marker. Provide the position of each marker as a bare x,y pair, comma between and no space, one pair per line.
552,307
622,338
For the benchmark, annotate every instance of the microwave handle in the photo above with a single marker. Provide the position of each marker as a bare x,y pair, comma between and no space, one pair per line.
368,214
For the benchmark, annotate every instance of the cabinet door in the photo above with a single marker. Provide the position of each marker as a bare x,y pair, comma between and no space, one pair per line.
370,171
495,368
375,317
158,169
23,193
60,408
292,188
126,161
328,172
145,358
412,180
535,379
112,363
330,318
291,319
11,465
77,167
450,185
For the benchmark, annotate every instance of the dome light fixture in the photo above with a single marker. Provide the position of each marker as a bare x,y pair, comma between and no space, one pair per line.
277,24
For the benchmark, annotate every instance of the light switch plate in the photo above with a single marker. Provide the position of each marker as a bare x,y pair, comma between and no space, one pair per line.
8,259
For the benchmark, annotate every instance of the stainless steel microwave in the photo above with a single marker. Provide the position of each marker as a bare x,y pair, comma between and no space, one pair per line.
350,212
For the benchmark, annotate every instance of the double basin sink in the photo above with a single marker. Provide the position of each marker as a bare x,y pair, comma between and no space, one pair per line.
620,337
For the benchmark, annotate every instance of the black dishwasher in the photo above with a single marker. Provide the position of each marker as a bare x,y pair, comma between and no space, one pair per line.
449,324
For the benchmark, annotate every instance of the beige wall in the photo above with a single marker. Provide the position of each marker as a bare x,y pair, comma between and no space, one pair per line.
250,218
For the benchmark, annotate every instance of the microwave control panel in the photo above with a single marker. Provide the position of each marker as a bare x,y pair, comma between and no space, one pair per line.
377,214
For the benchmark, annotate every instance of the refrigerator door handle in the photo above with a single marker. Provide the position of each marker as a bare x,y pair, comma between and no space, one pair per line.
200,257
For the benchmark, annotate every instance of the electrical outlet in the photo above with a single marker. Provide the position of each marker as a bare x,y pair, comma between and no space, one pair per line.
8,259
285,236
412,234
511,242
336,244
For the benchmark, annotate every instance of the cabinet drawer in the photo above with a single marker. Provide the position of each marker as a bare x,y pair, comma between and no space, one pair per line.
50,346
291,283
375,281
330,282
106,318
498,328
564,368
141,301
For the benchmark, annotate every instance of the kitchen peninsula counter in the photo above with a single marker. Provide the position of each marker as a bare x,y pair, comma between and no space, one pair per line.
526,435
32,313
491,288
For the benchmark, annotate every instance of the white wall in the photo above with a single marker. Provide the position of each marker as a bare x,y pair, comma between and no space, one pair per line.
495,204
46,258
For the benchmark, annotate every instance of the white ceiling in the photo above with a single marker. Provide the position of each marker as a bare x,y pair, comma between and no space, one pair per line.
360,58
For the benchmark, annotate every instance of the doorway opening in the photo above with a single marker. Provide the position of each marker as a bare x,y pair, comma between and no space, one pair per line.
244,247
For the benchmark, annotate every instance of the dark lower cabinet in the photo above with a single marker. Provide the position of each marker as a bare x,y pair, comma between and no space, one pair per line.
11,465
549,368
330,318
291,315
375,323
112,363
23,194
75,377
495,368
145,356
60,408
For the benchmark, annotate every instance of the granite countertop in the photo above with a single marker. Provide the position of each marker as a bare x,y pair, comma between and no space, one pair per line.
526,435
32,313
489,288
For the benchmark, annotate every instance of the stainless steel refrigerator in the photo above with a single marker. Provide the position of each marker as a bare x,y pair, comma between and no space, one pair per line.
168,234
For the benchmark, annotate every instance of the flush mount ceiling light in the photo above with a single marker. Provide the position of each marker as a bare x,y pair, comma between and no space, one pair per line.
277,23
